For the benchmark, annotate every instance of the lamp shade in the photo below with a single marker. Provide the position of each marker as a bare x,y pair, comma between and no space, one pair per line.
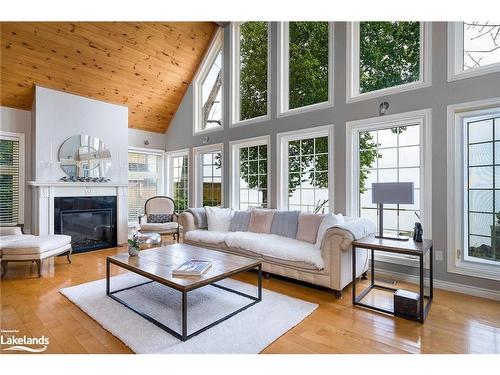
392,193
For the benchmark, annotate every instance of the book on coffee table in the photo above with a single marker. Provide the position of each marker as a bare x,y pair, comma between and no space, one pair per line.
192,268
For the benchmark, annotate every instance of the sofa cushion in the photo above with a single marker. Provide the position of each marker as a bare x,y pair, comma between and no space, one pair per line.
6,240
275,246
328,221
37,244
200,217
158,227
206,236
219,219
285,223
10,231
240,221
160,218
261,220
308,227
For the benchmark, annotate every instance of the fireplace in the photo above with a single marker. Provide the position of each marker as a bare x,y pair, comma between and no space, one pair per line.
90,221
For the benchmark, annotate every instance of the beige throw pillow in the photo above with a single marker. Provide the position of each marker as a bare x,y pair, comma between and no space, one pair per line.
261,220
308,227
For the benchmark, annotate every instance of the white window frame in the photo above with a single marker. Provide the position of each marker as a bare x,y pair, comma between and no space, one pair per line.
353,128
456,56
284,73
22,165
234,173
161,167
235,78
216,45
282,140
169,171
455,186
198,170
352,65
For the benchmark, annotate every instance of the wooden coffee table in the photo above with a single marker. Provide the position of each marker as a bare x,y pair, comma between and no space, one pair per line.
157,265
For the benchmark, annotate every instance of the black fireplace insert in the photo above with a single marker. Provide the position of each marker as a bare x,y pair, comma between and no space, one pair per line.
90,221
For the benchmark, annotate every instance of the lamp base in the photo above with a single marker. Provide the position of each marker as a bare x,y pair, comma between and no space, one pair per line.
397,238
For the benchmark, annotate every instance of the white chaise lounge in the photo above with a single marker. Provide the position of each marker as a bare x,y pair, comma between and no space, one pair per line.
18,247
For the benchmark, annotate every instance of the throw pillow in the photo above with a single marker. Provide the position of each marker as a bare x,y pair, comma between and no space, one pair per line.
160,218
308,227
285,223
329,221
240,221
200,217
261,220
219,219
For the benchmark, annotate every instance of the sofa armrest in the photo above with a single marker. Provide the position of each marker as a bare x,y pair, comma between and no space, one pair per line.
187,221
143,219
336,250
12,230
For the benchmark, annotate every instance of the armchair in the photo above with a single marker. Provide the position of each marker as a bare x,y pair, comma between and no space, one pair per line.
160,216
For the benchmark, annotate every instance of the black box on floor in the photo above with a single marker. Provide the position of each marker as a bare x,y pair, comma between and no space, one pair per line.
406,304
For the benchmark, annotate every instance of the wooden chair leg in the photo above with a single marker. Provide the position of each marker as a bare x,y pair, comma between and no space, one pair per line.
4,267
68,255
39,267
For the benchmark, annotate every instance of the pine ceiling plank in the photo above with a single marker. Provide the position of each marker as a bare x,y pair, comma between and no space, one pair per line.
145,66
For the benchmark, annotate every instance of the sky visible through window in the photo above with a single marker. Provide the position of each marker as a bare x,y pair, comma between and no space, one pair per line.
481,44
211,90
394,156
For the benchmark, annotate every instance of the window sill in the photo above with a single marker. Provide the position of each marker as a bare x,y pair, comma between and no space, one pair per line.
250,121
477,270
206,131
352,98
402,261
464,74
305,109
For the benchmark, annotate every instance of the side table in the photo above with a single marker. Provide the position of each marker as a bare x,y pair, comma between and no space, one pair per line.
409,247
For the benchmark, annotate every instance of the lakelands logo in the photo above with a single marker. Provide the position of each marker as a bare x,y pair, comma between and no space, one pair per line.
22,343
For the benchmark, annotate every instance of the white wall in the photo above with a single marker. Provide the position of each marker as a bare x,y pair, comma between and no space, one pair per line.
60,115
137,137
19,121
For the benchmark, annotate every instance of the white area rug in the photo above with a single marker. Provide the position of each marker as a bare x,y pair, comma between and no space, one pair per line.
248,332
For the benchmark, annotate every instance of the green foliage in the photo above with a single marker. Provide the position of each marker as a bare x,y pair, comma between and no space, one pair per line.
389,54
308,63
253,69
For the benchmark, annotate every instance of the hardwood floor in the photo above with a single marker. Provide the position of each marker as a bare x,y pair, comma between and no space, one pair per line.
456,323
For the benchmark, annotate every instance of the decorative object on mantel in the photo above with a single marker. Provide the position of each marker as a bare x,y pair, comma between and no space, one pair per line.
383,108
84,156
84,179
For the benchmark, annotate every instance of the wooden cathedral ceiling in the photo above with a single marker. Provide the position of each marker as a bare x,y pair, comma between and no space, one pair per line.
145,66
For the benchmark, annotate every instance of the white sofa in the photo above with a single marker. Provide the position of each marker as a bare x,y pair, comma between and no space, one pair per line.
329,265
18,247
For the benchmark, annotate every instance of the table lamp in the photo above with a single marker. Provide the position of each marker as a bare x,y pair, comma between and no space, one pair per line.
390,193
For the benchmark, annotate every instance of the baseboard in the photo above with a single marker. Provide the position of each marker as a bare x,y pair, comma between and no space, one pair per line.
441,284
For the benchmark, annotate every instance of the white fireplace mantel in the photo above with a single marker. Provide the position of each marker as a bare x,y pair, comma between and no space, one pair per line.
46,191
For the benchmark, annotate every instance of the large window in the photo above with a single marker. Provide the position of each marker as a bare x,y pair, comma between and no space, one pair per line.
250,69
393,148
474,189
305,170
11,178
250,177
387,57
208,88
178,178
208,175
145,180
482,191
306,76
473,48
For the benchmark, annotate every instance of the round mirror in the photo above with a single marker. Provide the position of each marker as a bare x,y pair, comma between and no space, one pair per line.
84,156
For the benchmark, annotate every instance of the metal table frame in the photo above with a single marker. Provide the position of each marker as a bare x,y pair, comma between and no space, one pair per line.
424,308
183,336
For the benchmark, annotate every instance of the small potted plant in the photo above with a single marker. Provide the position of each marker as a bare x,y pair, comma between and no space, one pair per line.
133,246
